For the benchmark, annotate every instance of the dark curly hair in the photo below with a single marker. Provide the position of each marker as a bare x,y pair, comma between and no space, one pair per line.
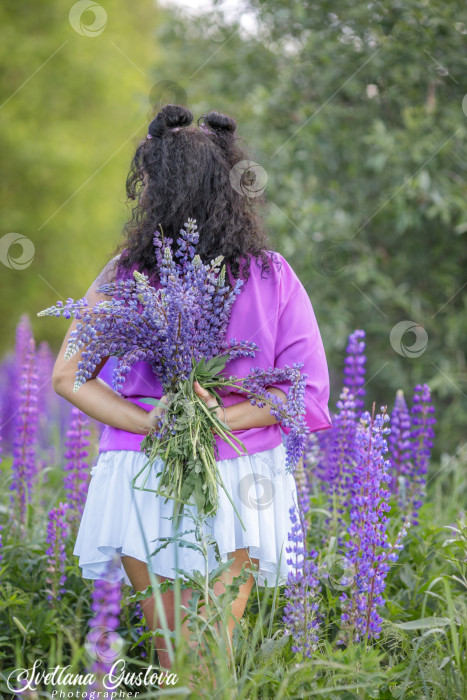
184,171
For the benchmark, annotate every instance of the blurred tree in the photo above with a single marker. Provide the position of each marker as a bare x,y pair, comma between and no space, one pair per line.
371,111
357,114
74,98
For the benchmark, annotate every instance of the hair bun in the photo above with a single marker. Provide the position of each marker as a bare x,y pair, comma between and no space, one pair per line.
220,122
169,117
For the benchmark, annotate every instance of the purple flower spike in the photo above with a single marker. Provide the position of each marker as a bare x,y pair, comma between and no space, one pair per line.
8,401
290,415
139,629
102,641
10,378
421,438
300,612
45,361
400,446
57,532
23,337
301,617
367,549
24,465
77,476
139,322
354,371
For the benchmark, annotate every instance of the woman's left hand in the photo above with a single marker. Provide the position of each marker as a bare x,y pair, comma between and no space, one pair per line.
208,399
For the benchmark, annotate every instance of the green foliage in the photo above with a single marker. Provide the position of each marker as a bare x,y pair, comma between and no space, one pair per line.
422,650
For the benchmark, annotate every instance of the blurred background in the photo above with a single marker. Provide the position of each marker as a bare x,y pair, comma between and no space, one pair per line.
355,115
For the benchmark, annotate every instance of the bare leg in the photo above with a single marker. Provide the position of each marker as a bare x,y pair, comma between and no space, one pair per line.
238,605
137,572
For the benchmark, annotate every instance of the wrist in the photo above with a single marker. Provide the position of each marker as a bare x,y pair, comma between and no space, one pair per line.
222,415
151,421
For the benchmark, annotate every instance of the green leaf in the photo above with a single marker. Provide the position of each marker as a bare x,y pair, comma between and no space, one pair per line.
153,402
20,625
424,623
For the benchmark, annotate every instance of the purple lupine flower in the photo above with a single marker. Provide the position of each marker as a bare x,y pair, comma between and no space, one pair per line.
341,456
174,328
354,370
102,641
57,532
139,629
140,322
301,617
421,438
24,465
399,447
367,535
291,415
10,377
46,396
316,457
23,692
8,400
22,342
313,461
76,478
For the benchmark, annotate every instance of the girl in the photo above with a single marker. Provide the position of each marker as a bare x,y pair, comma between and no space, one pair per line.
182,170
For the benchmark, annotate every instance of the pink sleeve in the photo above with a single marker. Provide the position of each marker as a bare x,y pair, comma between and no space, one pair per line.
298,340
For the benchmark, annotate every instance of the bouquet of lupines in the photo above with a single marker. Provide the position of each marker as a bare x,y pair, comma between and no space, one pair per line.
180,330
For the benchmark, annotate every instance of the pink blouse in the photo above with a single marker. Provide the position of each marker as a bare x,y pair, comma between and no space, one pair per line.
275,312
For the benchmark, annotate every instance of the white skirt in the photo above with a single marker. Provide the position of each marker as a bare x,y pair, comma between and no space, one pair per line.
258,485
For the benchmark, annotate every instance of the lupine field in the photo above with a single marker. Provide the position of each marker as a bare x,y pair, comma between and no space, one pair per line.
375,606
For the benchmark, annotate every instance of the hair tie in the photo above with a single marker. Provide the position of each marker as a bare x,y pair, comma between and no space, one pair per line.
174,128
204,128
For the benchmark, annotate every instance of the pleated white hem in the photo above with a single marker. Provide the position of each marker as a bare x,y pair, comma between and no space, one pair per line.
258,485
